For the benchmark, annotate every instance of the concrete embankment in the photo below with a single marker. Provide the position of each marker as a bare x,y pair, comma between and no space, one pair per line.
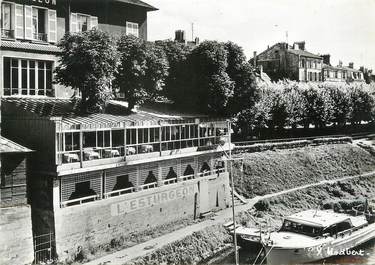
274,171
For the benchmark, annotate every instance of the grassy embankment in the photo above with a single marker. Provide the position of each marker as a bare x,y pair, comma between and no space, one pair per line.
272,171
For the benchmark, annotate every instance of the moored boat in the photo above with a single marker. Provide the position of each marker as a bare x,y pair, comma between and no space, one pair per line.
317,234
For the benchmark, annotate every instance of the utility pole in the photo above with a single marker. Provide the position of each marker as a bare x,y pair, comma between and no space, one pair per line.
192,31
232,185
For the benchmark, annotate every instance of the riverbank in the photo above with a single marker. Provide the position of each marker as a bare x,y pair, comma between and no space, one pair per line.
200,242
208,243
272,171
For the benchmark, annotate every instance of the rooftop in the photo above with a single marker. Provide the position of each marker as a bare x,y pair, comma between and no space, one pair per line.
8,146
304,53
345,68
116,113
137,3
318,218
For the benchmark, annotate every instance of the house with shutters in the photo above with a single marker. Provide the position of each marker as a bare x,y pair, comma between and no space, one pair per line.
100,178
30,30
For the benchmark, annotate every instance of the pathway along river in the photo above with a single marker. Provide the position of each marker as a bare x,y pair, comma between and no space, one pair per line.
366,256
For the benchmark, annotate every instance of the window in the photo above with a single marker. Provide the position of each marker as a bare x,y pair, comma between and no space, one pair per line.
132,29
82,22
27,77
303,63
39,24
336,74
6,20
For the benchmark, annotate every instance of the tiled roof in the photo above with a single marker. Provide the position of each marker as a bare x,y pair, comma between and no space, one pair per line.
342,68
138,3
17,45
115,116
304,53
7,146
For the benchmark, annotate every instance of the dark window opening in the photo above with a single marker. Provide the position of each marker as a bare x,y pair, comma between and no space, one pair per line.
150,178
171,174
189,170
82,190
122,182
205,168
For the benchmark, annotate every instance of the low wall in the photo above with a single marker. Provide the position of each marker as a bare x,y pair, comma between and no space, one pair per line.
16,241
91,225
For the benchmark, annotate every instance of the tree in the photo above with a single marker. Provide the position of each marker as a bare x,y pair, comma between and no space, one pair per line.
341,104
252,120
362,105
241,73
142,70
295,104
176,54
319,107
88,62
209,87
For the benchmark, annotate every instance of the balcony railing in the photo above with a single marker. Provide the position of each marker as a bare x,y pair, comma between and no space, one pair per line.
7,33
40,36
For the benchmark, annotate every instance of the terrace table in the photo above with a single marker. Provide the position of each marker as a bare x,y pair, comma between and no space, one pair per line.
147,148
91,155
70,158
111,153
130,150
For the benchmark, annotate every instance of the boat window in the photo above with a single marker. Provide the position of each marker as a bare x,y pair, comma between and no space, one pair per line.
339,227
298,228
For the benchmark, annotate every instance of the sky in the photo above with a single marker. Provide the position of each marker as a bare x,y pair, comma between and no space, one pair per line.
345,29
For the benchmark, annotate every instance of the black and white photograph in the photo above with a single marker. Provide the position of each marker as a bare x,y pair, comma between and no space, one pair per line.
187,132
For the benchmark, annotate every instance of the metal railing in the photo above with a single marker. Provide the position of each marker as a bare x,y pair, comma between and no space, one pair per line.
148,186
80,200
44,248
40,37
119,192
187,177
169,181
7,33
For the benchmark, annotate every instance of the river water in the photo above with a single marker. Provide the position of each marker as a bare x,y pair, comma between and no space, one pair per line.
365,255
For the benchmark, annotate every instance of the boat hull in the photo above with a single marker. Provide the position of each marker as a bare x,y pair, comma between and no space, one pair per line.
333,246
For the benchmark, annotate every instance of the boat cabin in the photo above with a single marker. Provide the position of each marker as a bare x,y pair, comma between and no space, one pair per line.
316,223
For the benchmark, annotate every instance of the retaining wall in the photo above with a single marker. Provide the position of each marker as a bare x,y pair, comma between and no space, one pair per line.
91,225
16,241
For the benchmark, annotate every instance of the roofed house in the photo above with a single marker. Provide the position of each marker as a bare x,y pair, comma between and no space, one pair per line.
30,31
340,73
13,180
15,214
100,177
292,62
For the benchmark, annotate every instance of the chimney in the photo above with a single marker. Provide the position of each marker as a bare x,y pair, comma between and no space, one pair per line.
340,63
180,36
196,40
255,59
300,45
351,65
327,59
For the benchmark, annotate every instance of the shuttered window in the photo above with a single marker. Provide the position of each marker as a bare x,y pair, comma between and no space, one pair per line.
52,26
19,34
28,23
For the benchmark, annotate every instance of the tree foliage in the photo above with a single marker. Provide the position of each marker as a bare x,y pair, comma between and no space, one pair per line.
242,74
87,63
142,70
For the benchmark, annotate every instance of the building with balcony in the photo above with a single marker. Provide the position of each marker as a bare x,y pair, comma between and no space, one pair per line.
292,62
340,73
30,30
100,177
